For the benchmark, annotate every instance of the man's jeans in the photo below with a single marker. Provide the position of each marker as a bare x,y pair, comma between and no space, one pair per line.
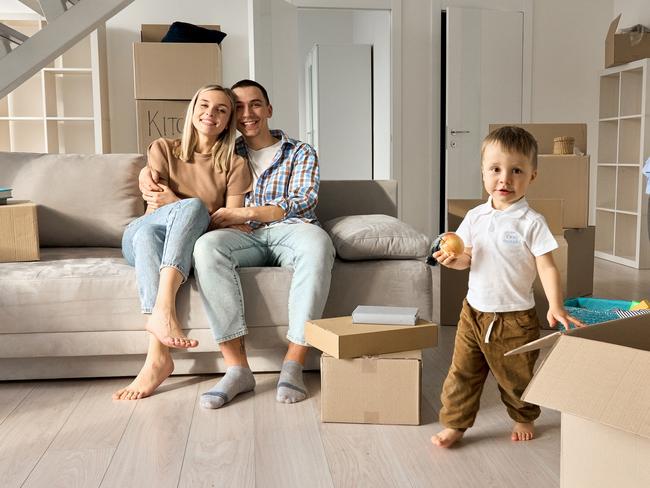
304,247
163,238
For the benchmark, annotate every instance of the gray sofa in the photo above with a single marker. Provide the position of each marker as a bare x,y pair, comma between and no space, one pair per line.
75,313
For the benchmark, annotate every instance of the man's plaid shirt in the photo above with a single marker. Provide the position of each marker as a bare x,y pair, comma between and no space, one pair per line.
291,182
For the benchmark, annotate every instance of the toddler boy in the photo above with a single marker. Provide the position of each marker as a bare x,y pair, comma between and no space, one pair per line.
507,243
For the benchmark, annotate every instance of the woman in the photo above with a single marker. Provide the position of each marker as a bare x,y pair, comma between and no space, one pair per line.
199,174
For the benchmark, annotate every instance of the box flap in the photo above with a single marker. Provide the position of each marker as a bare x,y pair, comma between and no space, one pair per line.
541,343
612,29
601,382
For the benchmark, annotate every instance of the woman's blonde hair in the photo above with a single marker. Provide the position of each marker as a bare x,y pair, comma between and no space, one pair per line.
224,147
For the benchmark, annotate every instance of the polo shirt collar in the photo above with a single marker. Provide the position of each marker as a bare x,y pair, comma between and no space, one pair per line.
516,210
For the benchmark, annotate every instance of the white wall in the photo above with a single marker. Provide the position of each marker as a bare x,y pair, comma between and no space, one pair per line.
568,56
14,7
124,29
634,12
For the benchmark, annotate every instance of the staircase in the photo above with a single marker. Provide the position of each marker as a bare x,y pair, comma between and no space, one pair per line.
68,21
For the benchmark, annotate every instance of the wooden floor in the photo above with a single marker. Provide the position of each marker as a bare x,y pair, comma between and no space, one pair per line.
70,434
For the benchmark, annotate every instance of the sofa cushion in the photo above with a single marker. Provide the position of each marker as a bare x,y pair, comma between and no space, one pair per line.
83,200
359,237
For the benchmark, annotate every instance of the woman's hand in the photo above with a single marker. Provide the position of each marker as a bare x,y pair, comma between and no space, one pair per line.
156,199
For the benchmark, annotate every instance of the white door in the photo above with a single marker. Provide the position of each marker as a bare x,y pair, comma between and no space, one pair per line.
339,109
484,84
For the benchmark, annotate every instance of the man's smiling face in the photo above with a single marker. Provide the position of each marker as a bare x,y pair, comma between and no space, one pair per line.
253,112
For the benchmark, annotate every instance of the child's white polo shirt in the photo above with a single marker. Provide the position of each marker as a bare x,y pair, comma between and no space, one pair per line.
504,246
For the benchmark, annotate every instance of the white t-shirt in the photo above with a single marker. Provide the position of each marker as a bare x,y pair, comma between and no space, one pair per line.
261,160
504,246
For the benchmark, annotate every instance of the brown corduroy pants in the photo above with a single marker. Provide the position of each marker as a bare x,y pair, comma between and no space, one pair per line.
474,358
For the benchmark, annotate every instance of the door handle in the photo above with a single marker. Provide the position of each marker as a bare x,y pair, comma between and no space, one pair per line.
454,132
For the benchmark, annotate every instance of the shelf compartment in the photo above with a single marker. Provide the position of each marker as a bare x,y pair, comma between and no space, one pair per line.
5,144
605,231
70,136
76,57
607,137
68,94
609,96
21,136
627,188
631,91
27,99
626,236
606,187
629,141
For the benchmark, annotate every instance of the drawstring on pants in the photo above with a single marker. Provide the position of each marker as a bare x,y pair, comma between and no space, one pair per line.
489,329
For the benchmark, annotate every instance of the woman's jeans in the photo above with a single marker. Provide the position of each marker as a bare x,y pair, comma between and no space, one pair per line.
306,248
160,239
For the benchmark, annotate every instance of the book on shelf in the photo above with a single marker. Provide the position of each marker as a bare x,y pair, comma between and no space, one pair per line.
370,314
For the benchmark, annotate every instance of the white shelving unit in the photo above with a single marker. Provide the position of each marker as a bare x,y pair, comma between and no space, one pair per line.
64,107
623,146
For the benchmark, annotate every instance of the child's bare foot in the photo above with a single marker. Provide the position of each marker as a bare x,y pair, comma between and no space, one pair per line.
154,372
447,437
164,326
523,431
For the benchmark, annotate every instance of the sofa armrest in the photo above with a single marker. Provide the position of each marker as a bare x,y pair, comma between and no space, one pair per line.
365,237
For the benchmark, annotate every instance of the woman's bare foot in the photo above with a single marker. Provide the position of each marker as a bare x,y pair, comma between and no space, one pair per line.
154,372
447,437
164,326
523,431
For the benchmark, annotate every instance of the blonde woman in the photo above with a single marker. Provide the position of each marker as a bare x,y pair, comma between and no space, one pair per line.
198,175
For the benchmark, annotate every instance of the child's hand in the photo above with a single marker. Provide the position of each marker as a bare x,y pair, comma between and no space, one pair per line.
560,315
446,259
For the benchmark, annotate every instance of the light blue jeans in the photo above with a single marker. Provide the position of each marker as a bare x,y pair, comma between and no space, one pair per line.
304,247
160,239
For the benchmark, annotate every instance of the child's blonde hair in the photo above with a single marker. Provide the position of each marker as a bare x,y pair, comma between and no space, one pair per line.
513,139
224,147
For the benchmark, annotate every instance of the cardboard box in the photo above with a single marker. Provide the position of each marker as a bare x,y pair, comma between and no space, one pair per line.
159,118
580,261
372,390
623,48
545,133
18,231
342,339
564,177
173,70
598,378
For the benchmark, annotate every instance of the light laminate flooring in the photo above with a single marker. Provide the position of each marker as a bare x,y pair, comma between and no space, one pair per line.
70,434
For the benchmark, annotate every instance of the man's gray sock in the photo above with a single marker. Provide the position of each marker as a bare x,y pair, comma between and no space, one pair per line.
238,379
291,388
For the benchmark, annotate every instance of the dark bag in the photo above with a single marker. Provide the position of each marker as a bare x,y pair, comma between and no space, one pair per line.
184,32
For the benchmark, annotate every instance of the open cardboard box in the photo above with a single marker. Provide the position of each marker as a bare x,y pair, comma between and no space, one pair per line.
599,378
625,47
381,389
173,70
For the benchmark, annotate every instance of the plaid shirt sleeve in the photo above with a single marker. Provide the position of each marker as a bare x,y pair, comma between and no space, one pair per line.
302,190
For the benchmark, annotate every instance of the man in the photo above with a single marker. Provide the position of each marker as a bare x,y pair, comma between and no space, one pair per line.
277,227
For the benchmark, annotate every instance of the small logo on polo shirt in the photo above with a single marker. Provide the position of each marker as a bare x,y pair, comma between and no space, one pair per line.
511,237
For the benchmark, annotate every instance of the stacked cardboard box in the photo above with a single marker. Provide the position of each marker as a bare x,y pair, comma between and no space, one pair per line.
19,231
166,76
370,373
561,194
598,378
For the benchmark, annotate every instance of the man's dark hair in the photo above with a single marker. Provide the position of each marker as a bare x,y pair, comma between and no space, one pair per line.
246,83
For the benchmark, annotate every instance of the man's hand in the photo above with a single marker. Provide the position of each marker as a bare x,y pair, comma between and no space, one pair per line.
560,315
156,199
228,217
148,180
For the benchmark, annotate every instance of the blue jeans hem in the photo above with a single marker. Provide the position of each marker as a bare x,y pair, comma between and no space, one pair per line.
296,341
231,336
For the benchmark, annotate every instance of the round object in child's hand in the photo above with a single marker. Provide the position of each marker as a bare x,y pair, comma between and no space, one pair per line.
450,242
